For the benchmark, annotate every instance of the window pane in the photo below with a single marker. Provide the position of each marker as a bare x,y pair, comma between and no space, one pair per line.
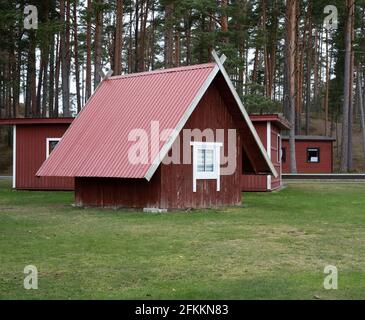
209,160
313,155
52,145
205,160
201,156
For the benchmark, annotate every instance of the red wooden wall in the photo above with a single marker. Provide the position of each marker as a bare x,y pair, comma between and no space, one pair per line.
172,185
177,180
31,153
326,156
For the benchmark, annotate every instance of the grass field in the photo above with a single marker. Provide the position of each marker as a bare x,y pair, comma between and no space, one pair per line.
275,246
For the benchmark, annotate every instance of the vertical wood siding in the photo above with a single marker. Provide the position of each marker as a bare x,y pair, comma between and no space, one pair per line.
31,153
118,193
177,180
326,156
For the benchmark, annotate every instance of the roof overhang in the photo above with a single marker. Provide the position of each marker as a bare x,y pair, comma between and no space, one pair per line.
311,138
33,121
276,119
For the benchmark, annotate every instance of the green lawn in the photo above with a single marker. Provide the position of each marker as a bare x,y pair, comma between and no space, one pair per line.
275,246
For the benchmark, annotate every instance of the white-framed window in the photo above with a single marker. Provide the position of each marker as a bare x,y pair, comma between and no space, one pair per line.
206,162
51,143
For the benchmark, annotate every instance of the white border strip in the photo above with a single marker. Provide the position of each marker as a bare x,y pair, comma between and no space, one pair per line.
268,148
14,156
280,146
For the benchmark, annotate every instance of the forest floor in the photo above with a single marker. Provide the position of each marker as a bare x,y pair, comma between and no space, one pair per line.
273,246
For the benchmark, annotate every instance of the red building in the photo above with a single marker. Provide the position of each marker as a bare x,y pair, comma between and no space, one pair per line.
269,129
314,154
33,141
128,114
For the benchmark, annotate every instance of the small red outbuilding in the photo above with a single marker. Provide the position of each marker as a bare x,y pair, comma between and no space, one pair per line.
269,128
314,154
33,141
166,139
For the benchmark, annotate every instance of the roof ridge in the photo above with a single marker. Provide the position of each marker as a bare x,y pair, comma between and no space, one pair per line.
161,71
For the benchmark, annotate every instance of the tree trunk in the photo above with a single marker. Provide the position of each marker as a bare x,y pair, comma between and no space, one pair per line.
308,80
187,26
272,51
142,36
347,89
326,99
45,83
266,54
351,107
57,78
51,86
98,42
31,97
88,52
65,55
136,37
40,83
130,42
291,43
118,38
169,35
76,51
224,20
315,69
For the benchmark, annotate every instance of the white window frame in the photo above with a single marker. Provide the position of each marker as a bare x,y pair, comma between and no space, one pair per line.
48,140
215,174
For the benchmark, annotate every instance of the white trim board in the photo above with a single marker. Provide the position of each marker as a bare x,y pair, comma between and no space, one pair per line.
281,159
268,148
14,156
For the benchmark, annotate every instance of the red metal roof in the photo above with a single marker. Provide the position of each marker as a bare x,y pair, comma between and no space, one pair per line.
96,144
30,121
277,119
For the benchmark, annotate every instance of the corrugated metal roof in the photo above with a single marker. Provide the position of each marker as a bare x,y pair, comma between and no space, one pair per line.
96,144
